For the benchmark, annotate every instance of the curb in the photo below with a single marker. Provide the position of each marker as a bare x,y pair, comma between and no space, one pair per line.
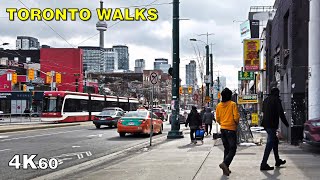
37,127
98,161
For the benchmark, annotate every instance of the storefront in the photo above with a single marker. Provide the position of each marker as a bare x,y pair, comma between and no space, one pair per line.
15,102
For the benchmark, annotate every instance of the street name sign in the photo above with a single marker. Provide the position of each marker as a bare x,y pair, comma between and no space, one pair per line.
244,75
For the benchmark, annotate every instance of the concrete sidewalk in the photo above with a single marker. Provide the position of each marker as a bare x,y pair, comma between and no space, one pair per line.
178,159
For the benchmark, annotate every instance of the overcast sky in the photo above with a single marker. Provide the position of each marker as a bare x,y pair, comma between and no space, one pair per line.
146,40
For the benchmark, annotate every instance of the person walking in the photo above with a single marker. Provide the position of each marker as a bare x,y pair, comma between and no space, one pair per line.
228,117
207,119
272,110
203,110
194,122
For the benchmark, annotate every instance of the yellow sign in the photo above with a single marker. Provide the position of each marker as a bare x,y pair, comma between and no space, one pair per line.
248,99
31,74
14,78
58,77
180,90
254,119
251,54
207,99
190,90
24,87
48,78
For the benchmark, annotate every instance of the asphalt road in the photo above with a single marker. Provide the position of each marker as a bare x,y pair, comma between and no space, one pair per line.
69,145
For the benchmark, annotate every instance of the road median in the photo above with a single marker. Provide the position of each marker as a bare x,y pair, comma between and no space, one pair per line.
26,127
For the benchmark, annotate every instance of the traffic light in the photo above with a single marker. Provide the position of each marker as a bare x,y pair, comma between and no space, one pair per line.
24,87
14,78
48,78
190,90
181,90
31,74
58,77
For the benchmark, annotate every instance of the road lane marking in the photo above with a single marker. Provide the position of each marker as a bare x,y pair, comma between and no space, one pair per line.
75,146
5,150
94,135
3,137
63,132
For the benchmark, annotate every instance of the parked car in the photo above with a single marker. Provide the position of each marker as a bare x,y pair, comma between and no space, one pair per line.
182,119
160,113
108,117
138,122
311,133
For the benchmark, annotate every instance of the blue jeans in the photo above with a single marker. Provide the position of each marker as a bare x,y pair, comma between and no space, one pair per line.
272,144
229,140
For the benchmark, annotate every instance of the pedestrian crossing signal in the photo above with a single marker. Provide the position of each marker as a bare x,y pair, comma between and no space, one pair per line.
180,90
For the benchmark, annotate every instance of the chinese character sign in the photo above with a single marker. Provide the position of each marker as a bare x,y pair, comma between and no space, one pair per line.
251,49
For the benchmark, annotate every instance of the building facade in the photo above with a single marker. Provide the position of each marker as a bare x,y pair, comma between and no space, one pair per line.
287,61
123,56
158,62
110,60
191,73
68,62
93,58
27,43
140,65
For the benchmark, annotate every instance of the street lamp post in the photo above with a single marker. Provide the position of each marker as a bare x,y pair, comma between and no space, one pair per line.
175,125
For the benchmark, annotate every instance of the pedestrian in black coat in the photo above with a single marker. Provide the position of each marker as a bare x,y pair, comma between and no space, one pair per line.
272,110
194,122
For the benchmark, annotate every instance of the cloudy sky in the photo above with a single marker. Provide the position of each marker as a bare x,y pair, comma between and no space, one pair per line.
147,40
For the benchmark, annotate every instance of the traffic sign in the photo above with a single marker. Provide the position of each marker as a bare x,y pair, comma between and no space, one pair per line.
207,99
154,78
243,75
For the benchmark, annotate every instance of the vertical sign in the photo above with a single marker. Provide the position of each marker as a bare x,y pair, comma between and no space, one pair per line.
251,49
245,30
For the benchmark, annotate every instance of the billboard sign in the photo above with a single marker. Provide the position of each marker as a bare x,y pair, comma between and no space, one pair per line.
254,28
245,30
251,50
248,99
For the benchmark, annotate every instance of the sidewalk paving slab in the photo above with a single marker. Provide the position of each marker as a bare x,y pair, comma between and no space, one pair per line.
178,159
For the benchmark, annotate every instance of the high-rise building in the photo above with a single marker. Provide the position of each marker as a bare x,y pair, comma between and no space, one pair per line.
110,60
164,68
159,61
27,43
223,82
191,73
139,65
93,58
123,56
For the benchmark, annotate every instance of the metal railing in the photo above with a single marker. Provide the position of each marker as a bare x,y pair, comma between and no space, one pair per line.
19,118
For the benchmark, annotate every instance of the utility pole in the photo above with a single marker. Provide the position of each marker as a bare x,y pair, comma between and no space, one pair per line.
207,71
218,86
51,84
175,125
211,77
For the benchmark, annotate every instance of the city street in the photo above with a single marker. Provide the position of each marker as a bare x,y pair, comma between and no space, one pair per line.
70,145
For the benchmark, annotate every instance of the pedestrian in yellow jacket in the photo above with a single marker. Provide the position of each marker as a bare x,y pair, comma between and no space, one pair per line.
227,115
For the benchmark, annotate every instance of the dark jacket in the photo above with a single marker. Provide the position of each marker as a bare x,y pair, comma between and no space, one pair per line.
208,117
272,110
202,113
194,120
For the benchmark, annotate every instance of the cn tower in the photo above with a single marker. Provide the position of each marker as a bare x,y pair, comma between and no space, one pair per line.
101,27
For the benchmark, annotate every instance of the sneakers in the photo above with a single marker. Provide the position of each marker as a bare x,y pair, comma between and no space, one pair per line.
225,169
266,167
280,162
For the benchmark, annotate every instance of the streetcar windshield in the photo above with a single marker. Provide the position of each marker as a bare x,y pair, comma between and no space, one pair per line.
52,104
